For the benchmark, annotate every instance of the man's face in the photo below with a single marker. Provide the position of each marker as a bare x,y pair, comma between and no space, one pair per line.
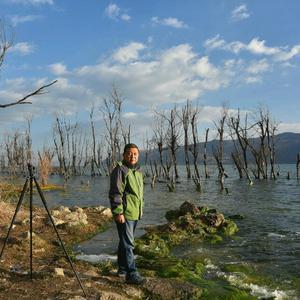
131,156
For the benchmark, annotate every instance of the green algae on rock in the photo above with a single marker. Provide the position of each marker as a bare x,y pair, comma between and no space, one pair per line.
188,222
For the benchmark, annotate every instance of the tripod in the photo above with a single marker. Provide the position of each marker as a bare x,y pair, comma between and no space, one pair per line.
31,178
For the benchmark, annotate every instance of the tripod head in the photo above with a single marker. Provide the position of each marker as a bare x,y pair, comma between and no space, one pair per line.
31,169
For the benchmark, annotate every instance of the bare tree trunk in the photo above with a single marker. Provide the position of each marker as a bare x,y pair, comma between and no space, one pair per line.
237,161
111,110
159,137
185,120
94,163
298,166
205,154
218,154
194,149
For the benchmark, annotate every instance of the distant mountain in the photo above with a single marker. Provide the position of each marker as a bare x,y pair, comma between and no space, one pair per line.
287,146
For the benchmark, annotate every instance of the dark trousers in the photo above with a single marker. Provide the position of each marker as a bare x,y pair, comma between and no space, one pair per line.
126,260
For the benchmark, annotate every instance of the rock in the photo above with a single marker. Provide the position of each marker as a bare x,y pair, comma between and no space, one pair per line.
64,209
41,250
188,207
65,217
91,273
214,219
59,272
172,215
229,228
38,242
107,212
57,221
236,217
76,209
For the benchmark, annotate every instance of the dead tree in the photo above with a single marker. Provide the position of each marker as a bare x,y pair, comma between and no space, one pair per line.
264,152
239,133
45,160
298,166
6,42
159,139
185,116
172,136
219,152
94,161
111,111
15,148
205,154
195,146
271,128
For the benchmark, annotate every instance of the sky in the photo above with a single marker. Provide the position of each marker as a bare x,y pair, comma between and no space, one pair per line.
157,53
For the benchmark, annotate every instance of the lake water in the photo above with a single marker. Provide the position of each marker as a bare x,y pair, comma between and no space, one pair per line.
268,240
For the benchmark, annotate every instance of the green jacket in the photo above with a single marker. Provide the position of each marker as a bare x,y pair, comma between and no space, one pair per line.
126,191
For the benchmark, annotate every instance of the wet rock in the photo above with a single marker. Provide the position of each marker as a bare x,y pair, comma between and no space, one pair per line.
229,228
172,215
188,207
236,217
216,220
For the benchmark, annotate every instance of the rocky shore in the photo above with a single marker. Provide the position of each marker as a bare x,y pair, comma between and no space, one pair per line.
168,277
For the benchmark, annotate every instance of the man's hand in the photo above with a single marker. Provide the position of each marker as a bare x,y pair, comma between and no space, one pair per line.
120,219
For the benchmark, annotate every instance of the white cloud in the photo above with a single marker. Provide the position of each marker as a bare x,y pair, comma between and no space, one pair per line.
58,69
32,2
22,48
125,17
152,80
16,19
240,13
214,43
253,79
257,67
258,47
113,11
285,56
128,53
173,75
171,22
289,127
255,46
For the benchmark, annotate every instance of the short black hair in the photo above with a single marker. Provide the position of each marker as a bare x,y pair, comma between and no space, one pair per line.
129,146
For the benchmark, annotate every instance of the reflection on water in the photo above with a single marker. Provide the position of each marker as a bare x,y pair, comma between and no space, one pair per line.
269,235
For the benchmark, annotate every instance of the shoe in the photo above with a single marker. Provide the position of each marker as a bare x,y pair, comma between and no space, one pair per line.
135,278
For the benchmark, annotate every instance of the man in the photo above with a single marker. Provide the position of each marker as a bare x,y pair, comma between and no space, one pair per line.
126,199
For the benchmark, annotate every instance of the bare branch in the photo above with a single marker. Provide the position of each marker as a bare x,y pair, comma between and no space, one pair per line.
39,91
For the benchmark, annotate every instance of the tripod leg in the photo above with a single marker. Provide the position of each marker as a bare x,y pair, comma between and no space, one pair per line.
30,196
15,214
61,242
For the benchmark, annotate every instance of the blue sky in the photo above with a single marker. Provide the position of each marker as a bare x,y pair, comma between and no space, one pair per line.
158,53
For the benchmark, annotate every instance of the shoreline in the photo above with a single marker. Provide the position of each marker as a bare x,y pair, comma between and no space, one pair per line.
168,277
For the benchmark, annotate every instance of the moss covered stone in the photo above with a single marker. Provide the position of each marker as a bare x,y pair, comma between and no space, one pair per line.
193,224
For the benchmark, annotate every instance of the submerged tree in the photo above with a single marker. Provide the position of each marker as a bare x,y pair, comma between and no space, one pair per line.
239,136
218,153
185,116
195,111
